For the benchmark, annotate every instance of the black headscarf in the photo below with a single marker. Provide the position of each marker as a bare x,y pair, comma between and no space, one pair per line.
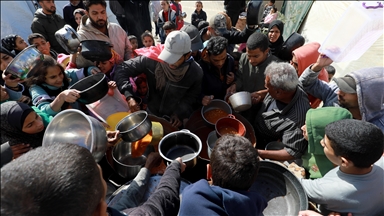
276,46
13,115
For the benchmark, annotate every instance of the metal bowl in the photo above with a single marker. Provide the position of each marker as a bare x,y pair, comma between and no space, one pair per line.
215,104
73,126
25,63
240,101
68,39
125,165
92,88
134,126
211,142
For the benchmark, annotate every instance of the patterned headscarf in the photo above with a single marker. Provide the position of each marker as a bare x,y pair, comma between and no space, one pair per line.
12,116
116,59
9,42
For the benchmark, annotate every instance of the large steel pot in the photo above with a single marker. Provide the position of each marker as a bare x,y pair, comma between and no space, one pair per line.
182,144
125,165
68,39
240,101
92,88
134,126
73,126
25,63
215,104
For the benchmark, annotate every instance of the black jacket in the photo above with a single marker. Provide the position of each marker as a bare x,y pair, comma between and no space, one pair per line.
175,97
196,18
233,37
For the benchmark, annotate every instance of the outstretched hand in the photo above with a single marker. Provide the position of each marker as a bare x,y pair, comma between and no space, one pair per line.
321,62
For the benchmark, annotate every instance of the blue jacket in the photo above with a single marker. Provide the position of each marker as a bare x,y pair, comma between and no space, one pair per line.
202,199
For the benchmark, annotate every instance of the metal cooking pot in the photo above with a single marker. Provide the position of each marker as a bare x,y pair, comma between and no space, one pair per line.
240,101
25,63
282,190
182,144
73,126
68,39
134,126
215,104
125,165
96,50
211,141
92,88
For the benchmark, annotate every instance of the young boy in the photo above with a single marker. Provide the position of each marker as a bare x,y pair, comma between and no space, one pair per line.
169,27
356,186
42,44
198,15
233,168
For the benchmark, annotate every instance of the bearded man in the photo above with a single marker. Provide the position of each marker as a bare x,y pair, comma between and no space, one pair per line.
47,22
94,26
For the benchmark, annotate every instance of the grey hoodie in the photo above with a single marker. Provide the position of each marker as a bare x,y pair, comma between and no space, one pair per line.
369,88
47,25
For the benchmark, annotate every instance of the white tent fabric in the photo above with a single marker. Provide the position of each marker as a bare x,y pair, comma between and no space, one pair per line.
320,20
17,16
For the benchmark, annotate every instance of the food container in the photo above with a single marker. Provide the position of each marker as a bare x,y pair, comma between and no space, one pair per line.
211,141
214,111
134,126
68,39
229,125
96,50
92,88
240,101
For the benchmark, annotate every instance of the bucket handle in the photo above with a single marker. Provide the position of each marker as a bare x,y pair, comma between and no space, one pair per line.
379,5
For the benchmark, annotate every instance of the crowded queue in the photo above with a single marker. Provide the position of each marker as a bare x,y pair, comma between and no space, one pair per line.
333,129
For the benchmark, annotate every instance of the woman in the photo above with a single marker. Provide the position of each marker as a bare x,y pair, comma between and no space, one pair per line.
275,36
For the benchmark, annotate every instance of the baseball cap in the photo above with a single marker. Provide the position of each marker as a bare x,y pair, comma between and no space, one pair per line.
176,45
219,24
346,84
194,35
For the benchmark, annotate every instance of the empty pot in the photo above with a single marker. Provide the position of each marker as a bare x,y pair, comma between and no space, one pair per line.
68,39
134,126
214,111
229,125
96,50
240,101
211,141
92,88
182,144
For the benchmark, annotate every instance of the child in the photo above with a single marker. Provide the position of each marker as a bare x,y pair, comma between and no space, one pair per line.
42,44
14,43
331,72
140,89
270,17
78,14
356,185
108,67
147,39
166,14
169,27
199,15
233,169
176,6
134,43
267,8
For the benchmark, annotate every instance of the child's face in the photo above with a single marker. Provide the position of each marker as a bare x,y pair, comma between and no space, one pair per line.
328,151
78,18
105,66
42,45
142,88
257,56
54,76
199,6
305,132
169,31
134,44
20,44
4,60
147,41
164,5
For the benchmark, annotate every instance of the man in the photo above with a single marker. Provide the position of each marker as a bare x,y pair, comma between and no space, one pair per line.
361,92
95,26
64,179
218,27
219,70
47,22
282,114
174,79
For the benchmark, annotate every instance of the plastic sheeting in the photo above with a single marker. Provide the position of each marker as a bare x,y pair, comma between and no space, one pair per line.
320,21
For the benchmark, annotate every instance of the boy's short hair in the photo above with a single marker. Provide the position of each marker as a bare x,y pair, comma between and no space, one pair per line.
61,179
89,3
234,163
33,36
272,1
358,141
202,24
216,45
330,69
257,40
169,25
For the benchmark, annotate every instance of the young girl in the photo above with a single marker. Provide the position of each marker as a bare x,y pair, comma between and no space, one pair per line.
176,6
108,67
49,86
14,43
147,39
270,17
78,14
166,14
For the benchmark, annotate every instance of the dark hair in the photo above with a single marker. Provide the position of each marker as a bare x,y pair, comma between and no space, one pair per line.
330,69
272,1
358,141
131,37
275,9
257,40
202,24
234,163
33,36
148,34
169,25
80,11
61,179
216,45
89,3
38,77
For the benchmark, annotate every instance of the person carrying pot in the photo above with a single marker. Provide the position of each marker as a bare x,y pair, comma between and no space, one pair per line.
174,79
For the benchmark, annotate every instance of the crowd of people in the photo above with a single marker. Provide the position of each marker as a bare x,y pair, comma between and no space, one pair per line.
331,126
